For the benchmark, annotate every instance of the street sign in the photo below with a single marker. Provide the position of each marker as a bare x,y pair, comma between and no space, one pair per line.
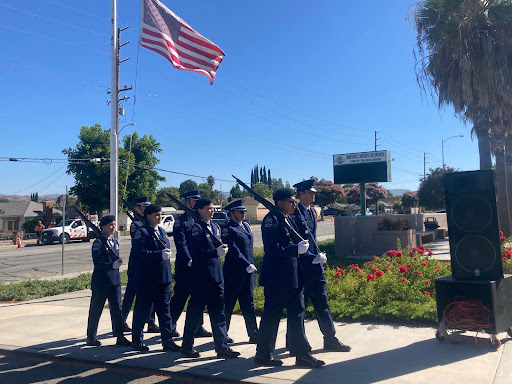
362,167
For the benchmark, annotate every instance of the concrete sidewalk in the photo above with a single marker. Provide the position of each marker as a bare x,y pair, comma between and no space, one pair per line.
55,327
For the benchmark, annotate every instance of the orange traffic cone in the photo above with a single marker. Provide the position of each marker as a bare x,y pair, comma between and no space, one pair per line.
19,241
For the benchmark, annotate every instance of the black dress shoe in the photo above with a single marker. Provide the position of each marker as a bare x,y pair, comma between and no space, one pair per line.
337,346
153,328
141,347
175,333
201,332
126,328
229,340
228,354
193,354
253,339
272,362
123,341
92,343
308,361
172,346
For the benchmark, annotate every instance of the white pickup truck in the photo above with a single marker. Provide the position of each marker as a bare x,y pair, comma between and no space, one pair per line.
75,229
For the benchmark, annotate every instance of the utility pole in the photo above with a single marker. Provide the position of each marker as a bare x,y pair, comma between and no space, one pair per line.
424,165
115,34
376,139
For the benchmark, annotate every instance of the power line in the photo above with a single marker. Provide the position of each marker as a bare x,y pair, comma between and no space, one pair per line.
53,20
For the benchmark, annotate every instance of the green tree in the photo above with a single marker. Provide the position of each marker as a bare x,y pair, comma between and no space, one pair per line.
269,179
236,192
409,199
163,200
431,190
327,192
210,180
277,184
263,190
92,178
205,190
188,185
3,200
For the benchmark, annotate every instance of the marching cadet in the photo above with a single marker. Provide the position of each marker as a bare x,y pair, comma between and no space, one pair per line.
311,266
283,287
207,287
129,294
239,268
106,284
153,278
181,234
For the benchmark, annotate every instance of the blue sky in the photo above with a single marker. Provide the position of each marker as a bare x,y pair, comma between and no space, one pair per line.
300,82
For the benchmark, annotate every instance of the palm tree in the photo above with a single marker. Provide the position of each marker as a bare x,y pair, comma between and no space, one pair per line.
464,55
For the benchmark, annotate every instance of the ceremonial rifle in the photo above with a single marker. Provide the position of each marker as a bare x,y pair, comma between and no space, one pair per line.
197,218
99,234
137,216
296,238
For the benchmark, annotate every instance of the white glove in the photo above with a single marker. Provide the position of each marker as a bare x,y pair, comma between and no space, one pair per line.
251,268
189,263
303,246
166,254
222,250
116,264
320,258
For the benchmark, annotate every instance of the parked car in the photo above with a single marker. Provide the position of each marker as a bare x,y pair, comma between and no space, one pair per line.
220,218
167,223
74,229
334,212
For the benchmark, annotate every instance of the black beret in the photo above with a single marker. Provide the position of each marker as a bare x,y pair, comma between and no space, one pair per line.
107,220
152,208
202,202
283,194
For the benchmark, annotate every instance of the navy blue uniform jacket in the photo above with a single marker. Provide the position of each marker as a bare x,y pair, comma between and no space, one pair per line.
132,261
103,274
240,255
206,268
306,222
181,233
280,269
151,269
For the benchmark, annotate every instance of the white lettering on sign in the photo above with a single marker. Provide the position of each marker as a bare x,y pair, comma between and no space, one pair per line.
360,158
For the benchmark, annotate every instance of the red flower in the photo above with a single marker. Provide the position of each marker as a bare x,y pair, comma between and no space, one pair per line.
415,258
430,253
427,282
501,233
378,273
342,272
375,269
337,274
508,266
503,239
424,263
438,269
403,269
409,265
419,272
399,253
371,277
361,275
374,256
403,280
426,293
338,280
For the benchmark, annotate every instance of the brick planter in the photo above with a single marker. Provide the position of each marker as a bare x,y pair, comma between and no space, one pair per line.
383,241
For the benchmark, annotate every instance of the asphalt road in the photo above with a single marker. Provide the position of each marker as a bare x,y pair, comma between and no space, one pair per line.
45,261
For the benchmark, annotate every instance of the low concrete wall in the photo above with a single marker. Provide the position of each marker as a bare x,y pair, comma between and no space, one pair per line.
354,233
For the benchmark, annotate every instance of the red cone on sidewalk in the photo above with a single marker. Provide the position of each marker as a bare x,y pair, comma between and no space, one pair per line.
18,239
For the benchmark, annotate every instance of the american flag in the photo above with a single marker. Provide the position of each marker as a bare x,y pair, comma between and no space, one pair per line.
166,33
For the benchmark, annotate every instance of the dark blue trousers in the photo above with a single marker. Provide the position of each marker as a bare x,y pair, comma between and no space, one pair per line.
276,300
212,297
129,296
317,292
159,295
241,288
98,298
179,299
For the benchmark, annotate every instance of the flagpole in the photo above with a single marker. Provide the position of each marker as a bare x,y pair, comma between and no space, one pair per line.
114,115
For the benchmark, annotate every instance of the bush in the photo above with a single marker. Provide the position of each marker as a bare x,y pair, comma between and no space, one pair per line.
388,224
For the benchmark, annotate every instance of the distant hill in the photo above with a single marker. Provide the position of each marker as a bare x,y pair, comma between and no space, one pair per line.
398,192
13,198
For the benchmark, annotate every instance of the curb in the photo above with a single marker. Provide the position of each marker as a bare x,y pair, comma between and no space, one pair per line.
118,366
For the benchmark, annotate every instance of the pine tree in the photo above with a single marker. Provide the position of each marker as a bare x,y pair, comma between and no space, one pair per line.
269,179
